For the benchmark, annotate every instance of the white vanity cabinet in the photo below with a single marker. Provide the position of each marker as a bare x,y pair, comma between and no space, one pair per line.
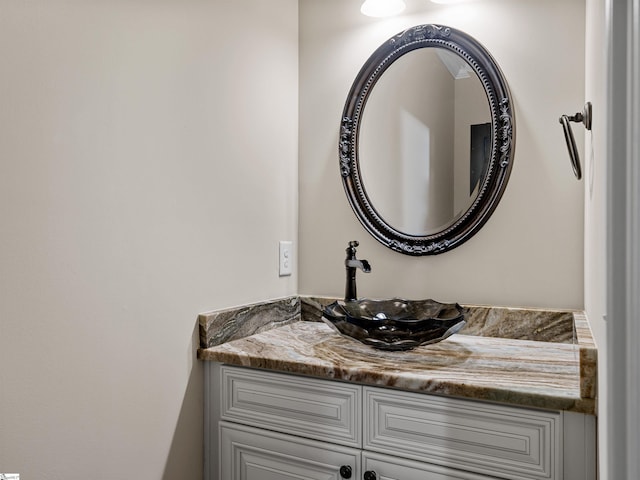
274,426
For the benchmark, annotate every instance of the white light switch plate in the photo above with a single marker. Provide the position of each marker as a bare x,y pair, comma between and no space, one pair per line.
286,258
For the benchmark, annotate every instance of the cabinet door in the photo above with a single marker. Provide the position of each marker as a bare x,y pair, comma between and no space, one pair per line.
496,440
387,467
248,453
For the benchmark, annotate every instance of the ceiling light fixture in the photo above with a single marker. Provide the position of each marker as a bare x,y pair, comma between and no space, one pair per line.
382,8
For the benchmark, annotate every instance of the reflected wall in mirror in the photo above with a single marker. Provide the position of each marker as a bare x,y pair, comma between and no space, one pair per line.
425,163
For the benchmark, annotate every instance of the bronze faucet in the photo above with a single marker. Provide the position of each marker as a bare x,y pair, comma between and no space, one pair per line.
352,264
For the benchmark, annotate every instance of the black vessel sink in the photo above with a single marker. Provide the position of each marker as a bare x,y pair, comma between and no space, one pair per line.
395,324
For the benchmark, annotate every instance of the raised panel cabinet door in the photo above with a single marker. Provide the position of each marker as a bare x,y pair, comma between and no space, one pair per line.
495,440
248,453
308,407
385,467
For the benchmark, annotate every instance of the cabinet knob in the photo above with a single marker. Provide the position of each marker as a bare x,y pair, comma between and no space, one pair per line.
370,475
345,471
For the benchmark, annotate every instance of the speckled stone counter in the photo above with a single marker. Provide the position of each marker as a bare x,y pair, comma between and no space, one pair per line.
511,371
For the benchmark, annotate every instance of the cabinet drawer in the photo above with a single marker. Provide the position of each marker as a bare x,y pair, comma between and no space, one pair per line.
308,407
255,454
494,440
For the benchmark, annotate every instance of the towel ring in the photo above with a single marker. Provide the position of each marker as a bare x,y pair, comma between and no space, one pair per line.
583,117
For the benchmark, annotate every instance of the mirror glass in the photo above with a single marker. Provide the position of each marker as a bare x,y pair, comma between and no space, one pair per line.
426,140
424,150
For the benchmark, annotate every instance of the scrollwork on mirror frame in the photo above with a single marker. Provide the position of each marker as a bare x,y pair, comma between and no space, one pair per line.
506,132
502,139
404,247
421,32
345,141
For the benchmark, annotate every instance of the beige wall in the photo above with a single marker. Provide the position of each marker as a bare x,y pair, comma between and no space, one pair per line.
530,253
148,166
595,209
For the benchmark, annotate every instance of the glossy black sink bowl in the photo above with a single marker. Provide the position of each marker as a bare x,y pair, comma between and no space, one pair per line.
395,324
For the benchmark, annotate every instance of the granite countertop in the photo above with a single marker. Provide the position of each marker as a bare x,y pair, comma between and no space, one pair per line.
529,373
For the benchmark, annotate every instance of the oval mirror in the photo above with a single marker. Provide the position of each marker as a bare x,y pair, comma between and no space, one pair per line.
426,149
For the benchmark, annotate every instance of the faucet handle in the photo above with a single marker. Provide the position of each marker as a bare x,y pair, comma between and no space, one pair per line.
351,249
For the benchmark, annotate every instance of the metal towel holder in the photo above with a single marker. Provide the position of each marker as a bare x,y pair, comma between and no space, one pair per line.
583,117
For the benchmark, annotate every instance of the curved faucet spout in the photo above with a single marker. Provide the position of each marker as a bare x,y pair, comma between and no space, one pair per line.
352,264
361,264
366,268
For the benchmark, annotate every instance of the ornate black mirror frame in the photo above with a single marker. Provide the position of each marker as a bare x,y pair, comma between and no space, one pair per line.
502,147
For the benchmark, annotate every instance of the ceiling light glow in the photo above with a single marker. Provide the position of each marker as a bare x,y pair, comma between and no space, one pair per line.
382,8
451,2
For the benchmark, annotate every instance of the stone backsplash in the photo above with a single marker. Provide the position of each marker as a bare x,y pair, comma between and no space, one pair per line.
538,325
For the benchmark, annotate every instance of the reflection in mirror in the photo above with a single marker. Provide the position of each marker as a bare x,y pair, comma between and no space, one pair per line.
424,151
